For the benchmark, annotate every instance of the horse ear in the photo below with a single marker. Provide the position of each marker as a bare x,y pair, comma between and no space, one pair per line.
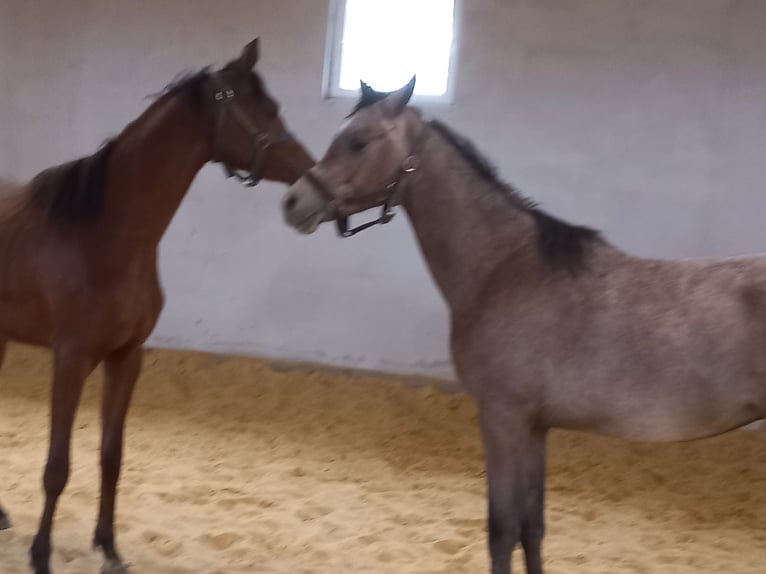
369,96
250,54
396,101
367,91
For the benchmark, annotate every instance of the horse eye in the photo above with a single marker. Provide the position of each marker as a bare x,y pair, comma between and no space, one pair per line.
357,145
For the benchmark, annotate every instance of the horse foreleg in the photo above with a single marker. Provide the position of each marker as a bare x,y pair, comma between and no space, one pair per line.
120,375
4,522
533,527
70,369
512,453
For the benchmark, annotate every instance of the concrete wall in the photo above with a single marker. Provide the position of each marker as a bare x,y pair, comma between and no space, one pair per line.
646,118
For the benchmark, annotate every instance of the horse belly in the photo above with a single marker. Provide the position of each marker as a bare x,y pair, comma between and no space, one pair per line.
662,411
24,321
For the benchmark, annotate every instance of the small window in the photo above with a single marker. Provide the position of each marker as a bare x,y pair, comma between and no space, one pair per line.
385,42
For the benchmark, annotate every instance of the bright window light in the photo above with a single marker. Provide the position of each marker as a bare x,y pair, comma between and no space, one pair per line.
385,42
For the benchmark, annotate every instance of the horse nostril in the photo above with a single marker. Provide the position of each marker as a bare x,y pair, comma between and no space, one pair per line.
290,203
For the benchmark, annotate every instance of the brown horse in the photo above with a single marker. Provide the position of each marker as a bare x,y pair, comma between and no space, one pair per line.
78,252
551,326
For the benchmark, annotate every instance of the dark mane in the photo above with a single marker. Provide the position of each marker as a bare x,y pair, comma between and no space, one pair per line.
189,85
561,244
73,193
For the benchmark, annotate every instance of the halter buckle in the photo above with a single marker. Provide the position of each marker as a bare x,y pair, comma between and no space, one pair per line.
263,140
411,164
246,179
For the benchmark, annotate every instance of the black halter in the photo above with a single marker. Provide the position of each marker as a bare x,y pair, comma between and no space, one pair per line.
262,139
410,165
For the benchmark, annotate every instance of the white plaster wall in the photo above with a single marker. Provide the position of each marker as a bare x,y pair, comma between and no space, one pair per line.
645,118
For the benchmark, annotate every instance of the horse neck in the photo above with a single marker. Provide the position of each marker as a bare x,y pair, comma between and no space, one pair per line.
464,225
152,166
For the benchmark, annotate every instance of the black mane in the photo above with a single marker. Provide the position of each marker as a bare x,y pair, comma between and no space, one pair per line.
73,193
561,244
189,85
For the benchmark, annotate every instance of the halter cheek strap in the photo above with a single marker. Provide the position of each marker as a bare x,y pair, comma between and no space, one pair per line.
410,165
262,139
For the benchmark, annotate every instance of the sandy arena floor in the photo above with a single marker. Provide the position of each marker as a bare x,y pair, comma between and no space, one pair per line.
232,466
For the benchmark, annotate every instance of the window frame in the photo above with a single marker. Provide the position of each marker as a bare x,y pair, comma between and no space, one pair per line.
334,46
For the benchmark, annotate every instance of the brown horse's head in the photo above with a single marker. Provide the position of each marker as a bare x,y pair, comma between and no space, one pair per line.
362,167
248,133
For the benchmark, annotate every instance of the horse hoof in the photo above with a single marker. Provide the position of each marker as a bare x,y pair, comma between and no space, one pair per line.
112,566
5,524
39,556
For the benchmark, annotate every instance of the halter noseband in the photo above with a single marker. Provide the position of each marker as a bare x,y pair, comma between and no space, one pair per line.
410,165
262,140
